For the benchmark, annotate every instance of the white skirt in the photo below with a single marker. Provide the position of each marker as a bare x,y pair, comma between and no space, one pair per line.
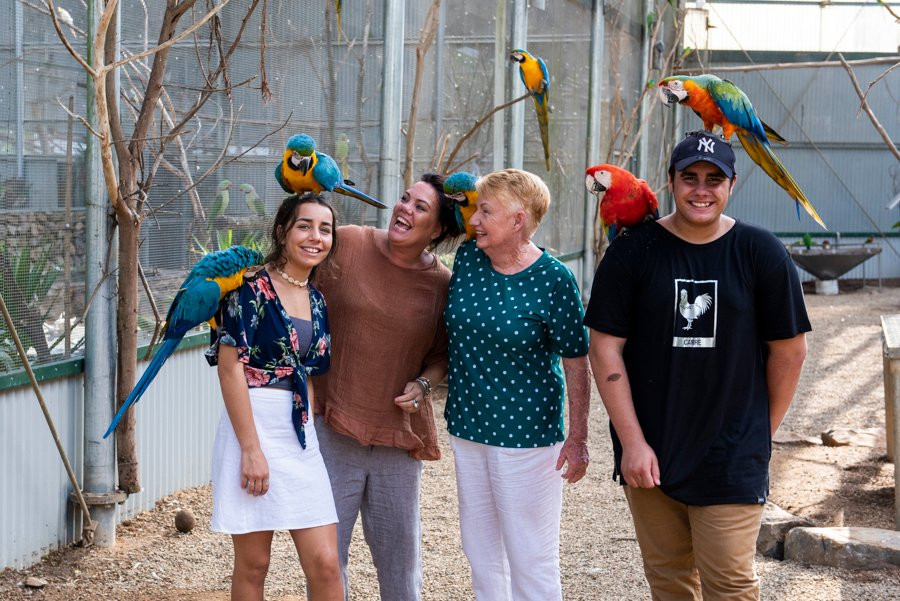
299,493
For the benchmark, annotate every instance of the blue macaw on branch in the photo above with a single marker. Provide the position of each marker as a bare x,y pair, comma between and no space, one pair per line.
214,276
534,74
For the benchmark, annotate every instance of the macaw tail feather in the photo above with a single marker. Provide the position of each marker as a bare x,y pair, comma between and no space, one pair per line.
165,350
543,118
773,135
763,156
354,193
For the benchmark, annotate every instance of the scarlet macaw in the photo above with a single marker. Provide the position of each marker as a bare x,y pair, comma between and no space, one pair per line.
461,188
214,276
304,169
720,102
534,74
624,200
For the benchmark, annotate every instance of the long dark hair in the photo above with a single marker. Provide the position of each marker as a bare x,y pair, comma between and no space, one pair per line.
285,219
446,210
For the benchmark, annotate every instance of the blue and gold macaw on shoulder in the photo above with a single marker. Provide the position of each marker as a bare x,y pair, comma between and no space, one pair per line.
534,74
304,169
461,188
214,276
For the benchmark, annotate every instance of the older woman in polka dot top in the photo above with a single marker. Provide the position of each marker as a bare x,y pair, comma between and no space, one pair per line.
516,346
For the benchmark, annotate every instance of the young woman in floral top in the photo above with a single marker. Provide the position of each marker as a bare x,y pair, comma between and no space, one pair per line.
268,473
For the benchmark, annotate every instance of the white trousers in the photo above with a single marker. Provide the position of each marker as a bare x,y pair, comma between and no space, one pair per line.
510,502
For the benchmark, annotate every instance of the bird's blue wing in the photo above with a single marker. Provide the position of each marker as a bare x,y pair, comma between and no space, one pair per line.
736,107
280,179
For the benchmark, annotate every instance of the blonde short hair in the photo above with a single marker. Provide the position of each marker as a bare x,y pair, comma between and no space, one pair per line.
517,189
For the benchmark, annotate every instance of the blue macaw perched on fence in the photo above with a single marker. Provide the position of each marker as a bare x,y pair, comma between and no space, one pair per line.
719,102
304,169
461,188
536,78
214,276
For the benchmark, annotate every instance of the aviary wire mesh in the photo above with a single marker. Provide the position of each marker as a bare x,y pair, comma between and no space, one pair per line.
321,84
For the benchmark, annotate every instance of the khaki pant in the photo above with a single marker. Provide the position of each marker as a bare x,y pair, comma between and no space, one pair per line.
689,549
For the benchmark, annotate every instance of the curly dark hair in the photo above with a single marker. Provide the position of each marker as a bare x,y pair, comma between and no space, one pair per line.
285,219
450,229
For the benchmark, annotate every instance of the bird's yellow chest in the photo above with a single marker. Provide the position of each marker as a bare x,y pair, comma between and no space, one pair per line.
297,180
533,76
229,283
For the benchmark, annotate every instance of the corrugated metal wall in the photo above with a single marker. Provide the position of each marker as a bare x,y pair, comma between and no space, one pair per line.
176,425
836,157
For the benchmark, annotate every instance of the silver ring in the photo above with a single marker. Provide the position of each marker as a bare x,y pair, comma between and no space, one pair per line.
416,403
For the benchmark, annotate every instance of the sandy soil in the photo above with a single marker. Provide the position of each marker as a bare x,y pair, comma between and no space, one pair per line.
841,387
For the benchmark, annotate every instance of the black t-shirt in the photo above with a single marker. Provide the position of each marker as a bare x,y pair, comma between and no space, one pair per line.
696,318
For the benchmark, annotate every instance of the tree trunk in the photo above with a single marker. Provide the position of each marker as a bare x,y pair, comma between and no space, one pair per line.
126,332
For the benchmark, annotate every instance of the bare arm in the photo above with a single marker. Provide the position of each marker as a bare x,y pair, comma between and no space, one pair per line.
254,467
574,450
783,367
436,372
640,467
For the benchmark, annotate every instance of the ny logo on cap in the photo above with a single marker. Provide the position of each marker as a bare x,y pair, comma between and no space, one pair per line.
707,145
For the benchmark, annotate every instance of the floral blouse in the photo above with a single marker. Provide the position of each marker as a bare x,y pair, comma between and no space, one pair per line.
253,320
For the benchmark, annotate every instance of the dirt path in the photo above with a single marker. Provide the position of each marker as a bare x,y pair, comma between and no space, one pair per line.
841,386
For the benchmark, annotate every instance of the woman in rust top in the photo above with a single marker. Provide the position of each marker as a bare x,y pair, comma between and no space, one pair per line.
389,345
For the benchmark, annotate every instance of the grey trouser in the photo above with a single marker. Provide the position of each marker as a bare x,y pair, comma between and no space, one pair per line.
381,484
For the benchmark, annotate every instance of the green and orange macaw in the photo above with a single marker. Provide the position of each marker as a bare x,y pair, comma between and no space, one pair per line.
461,188
304,169
214,276
719,102
534,74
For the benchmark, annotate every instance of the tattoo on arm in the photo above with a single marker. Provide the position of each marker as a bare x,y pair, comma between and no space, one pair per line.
613,377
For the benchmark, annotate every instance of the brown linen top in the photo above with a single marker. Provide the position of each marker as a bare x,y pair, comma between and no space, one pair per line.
387,325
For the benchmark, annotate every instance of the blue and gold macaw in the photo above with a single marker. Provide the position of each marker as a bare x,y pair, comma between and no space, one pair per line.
720,102
214,276
304,169
536,78
461,188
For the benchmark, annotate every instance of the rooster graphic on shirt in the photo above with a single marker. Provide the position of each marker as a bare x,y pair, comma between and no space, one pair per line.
691,311
695,313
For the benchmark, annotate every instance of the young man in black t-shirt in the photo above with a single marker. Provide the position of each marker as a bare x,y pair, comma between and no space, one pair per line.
697,341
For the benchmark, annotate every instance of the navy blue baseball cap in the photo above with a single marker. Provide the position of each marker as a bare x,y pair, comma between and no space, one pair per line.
703,146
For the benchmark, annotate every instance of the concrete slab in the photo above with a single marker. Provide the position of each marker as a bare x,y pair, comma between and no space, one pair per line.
866,548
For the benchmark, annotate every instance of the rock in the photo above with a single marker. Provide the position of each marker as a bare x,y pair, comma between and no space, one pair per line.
35,582
775,524
788,437
856,437
184,520
866,548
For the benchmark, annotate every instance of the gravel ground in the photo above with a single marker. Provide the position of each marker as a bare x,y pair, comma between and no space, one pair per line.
841,386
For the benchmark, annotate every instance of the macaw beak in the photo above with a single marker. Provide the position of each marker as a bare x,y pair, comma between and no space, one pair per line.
597,188
669,97
516,56
460,199
300,163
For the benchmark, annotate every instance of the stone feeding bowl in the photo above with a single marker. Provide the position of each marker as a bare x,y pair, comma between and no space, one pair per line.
828,263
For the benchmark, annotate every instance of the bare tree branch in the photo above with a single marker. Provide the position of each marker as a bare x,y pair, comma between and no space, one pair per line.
477,125
865,106
172,41
79,117
426,40
65,40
